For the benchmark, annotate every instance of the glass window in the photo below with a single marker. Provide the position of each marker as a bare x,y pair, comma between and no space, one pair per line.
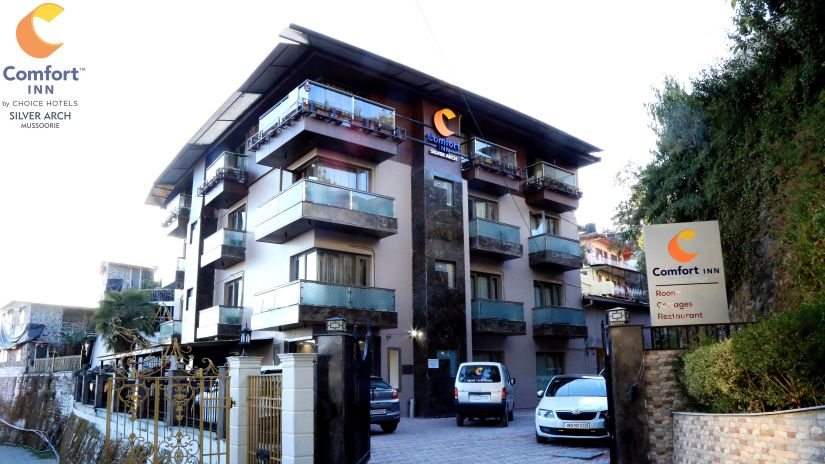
479,374
236,220
483,209
192,228
232,293
485,286
547,294
188,298
445,270
340,174
447,186
543,223
547,366
330,266
394,367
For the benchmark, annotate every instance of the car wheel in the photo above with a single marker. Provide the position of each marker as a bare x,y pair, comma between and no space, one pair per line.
459,420
540,439
503,422
510,415
389,427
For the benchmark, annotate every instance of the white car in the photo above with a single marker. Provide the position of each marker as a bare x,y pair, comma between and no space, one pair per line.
572,406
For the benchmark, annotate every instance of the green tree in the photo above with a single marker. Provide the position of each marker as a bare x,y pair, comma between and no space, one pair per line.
124,319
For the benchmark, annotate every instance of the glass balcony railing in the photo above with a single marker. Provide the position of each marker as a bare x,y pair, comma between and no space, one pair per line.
497,309
312,96
312,293
558,315
231,166
549,242
496,230
177,208
228,237
170,329
483,153
221,314
327,195
542,170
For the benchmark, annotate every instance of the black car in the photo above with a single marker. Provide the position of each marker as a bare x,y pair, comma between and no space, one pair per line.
385,409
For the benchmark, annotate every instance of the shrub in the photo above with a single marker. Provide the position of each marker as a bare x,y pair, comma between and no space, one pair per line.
713,380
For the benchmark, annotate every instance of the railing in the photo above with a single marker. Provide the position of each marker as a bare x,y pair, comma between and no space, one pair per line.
618,291
228,237
496,230
312,96
543,175
487,154
497,309
56,364
312,293
159,294
265,399
170,329
328,195
178,207
558,315
595,260
220,315
550,242
231,166
678,337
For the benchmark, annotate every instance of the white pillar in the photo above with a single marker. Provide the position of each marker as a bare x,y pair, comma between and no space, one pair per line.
297,408
240,368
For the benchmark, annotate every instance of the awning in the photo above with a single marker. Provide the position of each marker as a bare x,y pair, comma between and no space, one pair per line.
12,335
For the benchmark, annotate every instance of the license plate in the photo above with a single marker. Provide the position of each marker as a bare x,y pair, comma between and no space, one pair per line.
375,412
480,398
576,425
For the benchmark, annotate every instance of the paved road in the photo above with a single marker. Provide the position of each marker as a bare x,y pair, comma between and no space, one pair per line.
441,441
17,455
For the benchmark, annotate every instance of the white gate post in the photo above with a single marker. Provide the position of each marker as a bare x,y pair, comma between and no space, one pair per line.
297,408
240,368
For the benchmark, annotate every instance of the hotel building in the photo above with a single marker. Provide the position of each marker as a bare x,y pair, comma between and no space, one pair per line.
335,182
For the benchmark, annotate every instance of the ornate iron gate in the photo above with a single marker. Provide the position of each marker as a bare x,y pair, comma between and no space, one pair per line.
161,409
265,418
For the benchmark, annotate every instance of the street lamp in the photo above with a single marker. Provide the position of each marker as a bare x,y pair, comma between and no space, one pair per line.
246,338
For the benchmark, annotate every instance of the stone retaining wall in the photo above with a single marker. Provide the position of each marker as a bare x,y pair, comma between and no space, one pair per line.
662,397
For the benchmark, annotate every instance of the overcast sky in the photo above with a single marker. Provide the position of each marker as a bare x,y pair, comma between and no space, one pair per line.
155,71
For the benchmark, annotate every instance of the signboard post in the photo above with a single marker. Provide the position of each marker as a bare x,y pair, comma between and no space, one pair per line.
685,274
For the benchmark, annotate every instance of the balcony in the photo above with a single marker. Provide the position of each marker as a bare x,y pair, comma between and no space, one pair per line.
309,302
172,278
554,253
491,168
177,216
495,239
558,321
219,322
224,249
309,204
595,260
551,187
168,330
498,317
611,290
159,295
317,116
225,181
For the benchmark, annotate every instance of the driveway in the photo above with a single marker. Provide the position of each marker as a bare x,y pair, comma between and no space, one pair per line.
441,441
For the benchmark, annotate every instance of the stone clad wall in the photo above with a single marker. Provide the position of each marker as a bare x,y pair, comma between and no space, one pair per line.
35,401
796,436
662,397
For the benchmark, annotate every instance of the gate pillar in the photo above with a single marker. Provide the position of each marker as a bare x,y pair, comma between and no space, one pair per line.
240,368
298,408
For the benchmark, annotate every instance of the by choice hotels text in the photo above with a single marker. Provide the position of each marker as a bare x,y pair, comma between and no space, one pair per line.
29,118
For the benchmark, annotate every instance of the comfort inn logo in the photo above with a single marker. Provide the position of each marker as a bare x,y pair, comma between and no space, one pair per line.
27,37
440,119
675,249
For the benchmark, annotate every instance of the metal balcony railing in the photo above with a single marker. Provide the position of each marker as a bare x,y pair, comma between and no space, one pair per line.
495,157
179,207
544,175
228,166
497,309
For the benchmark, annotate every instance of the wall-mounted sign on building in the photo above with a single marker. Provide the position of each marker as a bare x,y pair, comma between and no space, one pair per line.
446,123
685,274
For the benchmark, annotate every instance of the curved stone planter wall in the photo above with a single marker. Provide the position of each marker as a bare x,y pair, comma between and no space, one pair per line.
796,436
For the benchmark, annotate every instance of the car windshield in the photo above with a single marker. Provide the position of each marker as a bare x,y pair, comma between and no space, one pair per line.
479,374
378,383
576,387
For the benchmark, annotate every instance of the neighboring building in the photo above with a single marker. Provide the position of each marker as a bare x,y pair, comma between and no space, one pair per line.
337,182
610,278
30,331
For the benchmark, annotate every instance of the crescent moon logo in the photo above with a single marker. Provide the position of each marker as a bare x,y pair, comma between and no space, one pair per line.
440,119
676,251
27,37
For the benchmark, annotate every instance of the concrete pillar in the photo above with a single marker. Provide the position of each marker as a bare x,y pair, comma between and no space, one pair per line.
627,391
297,408
240,368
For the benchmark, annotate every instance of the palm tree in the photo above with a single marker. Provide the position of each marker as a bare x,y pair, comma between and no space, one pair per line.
124,318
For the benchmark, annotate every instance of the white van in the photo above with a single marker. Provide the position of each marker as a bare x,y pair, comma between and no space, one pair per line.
483,389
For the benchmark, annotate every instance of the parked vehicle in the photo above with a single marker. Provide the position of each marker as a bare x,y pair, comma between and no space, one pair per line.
385,409
572,406
482,390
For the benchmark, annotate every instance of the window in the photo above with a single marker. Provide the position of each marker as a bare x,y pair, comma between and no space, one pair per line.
188,298
485,286
192,228
543,223
483,209
447,186
236,220
340,174
394,367
336,267
488,356
445,271
232,292
547,294
548,365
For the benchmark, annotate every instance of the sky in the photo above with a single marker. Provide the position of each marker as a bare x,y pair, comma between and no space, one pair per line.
152,72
